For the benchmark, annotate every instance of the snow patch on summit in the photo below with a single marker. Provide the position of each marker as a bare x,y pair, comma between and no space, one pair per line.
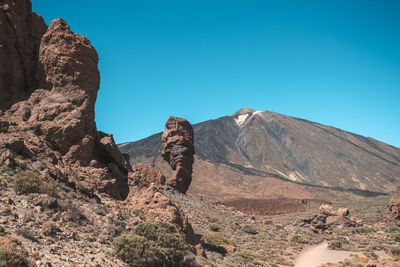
241,119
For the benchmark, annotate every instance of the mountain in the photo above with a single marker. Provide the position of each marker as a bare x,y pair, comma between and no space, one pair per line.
251,151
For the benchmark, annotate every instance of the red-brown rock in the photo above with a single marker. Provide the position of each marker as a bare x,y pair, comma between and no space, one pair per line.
143,175
49,79
393,208
178,151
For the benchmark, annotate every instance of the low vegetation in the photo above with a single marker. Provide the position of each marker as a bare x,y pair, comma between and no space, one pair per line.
27,182
249,257
298,238
151,245
11,254
249,230
214,227
215,242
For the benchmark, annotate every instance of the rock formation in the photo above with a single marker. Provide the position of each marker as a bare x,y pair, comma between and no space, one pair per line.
178,151
143,175
48,82
329,218
48,86
393,209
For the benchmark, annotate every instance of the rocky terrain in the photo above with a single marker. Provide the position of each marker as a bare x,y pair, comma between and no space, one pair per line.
281,156
66,190
69,197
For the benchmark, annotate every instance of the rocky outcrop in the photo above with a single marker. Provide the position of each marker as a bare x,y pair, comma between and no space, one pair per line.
329,218
153,205
20,33
49,79
178,151
144,175
393,209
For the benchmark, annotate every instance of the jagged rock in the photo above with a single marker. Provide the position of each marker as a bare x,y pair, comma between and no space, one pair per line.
328,218
20,33
393,208
49,79
178,151
144,175
4,126
156,207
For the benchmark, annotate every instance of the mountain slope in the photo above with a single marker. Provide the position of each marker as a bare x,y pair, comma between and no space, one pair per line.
267,144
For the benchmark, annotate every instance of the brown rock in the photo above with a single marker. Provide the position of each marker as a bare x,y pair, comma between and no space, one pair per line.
327,210
20,33
4,126
343,212
49,79
157,207
330,220
178,151
393,208
144,175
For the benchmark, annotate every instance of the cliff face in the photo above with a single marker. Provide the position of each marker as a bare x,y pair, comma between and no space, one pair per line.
48,82
48,87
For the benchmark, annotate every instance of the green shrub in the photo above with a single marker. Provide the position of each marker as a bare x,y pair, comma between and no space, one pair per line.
249,229
27,182
395,251
214,227
151,245
363,230
297,238
215,242
248,257
392,229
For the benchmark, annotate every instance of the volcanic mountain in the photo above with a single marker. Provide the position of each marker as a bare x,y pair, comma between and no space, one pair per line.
266,154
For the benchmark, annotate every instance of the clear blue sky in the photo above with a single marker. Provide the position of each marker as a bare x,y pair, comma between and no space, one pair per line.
334,62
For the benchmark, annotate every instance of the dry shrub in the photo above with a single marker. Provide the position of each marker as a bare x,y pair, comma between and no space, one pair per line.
12,255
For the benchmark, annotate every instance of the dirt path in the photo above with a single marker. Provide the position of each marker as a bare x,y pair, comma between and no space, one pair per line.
319,254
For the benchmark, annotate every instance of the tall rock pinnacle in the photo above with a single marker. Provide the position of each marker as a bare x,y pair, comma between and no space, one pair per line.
48,87
178,151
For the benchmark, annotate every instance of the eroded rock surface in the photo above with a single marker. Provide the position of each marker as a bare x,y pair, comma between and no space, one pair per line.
48,82
393,209
178,151
329,218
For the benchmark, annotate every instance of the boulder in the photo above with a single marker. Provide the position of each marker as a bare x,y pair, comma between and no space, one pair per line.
393,208
178,151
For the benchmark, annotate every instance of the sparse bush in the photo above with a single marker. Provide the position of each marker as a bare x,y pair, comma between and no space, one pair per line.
250,258
214,227
151,245
338,243
99,212
27,233
11,254
298,238
392,229
27,182
215,242
249,229
395,251
363,230
50,228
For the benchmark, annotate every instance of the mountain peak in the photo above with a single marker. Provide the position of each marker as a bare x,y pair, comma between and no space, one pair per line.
243,111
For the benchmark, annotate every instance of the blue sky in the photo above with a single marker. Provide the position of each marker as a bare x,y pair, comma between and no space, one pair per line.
334,62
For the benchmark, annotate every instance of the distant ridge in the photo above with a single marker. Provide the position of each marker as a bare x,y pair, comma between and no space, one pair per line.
268,144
